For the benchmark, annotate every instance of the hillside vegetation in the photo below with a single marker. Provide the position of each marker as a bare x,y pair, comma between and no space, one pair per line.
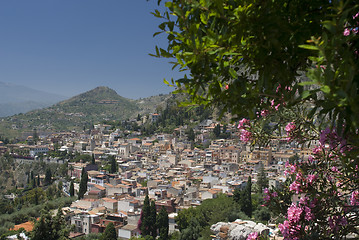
80,112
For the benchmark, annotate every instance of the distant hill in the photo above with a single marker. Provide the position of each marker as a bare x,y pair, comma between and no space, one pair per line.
79,112
16,99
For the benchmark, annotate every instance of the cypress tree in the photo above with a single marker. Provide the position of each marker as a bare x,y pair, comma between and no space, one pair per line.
152,220
113,165
246,200
162,224
83,184
145,221
48,176
93,159
72,189
262,180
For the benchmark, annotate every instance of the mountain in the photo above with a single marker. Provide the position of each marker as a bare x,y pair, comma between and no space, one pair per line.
79,112
16,99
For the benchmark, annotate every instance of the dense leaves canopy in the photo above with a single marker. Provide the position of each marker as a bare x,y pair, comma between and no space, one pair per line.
239,52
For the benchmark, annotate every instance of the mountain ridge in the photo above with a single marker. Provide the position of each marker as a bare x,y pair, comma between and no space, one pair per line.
16,99
80,112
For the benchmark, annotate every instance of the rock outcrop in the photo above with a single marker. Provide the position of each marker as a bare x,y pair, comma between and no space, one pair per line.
238,230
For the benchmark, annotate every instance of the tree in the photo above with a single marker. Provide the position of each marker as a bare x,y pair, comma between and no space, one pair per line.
110,232
267,62
145,222
246,205
93,159
262,180
38,180
244,198
192,232
113,162
72,189
83,184
51,228
217,130
191,135
48,176
152,219
163,224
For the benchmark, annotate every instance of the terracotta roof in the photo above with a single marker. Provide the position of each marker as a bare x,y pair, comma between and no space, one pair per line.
109,200
99,187
28,226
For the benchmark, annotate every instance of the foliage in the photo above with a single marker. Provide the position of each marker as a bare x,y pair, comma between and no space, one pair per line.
192,232
114,166
52,228
291,67
244,198
262,181
83,184
110,232
152,218
220,209
162,224
72,189
48,177
145,223
190,134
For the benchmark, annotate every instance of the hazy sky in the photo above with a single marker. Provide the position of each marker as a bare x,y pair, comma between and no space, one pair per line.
71,46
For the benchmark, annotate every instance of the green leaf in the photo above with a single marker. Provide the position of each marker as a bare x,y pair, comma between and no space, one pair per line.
233,73
309,47
325,89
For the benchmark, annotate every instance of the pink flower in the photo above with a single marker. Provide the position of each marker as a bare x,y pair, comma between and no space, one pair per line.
346,32
290,127
279,86
323,135
311,178
242,123
308,214
284,228
292,168
252,236
272,102
295,187
356,15
317,150
264,113
227,87
246,136
335,169
335,222
354,199
277,107
299,176
289,231
294,213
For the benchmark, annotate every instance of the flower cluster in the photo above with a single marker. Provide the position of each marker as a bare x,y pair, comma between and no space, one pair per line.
253,236
245,133
354,198
330,136
268,196
297,215
290,130
324,171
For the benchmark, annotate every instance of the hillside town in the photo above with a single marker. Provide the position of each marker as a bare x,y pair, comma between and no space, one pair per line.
166,167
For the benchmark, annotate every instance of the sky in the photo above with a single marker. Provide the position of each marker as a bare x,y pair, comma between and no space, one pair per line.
71,46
